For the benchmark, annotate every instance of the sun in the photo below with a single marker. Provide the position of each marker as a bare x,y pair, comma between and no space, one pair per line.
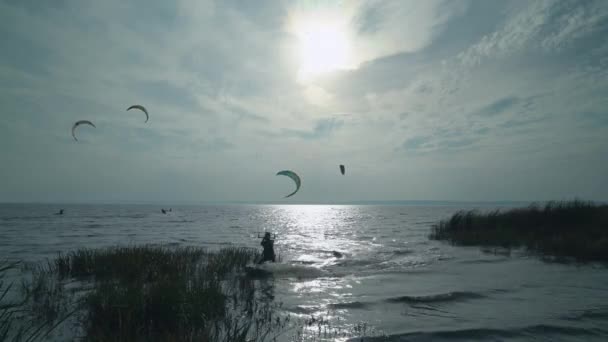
323,45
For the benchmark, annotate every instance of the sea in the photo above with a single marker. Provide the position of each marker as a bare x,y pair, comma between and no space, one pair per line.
387,275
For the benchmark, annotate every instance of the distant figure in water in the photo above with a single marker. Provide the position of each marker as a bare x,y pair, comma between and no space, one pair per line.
60,212
163,211
170,210
268,253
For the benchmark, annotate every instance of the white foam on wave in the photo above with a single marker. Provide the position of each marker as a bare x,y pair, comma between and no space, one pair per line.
287,270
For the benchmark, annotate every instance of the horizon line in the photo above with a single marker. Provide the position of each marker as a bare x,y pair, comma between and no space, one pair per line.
358,202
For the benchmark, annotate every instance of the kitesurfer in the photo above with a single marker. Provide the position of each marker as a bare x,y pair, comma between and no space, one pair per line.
163,211
60,212
268,253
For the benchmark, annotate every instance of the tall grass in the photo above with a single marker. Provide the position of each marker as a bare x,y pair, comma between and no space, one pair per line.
571,229
16,322
151,293
8,309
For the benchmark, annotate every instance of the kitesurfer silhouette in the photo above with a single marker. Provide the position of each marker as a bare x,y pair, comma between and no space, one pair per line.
268,253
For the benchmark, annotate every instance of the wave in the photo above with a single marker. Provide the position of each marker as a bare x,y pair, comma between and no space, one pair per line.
304,262
541,330
600,314
436,298
281,270
302,309
348,305
484,261
131,216
26,218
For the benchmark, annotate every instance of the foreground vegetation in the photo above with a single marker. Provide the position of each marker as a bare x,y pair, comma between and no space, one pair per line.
148,293
17,323
573,229
152,293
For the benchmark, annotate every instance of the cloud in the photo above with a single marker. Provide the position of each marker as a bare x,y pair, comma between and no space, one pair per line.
499,106
322,129
166,93
386,28
594,118
416,142
520,123
540,27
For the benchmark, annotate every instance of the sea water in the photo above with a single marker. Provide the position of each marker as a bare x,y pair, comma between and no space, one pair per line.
387,275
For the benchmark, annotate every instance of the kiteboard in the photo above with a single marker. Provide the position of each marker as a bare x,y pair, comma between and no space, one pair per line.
255,270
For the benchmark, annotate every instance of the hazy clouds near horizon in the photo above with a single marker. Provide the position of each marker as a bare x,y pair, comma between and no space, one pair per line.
445,99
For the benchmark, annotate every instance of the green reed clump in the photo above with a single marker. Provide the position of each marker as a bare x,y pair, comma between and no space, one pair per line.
17,322
570,229
127,263
180,308
230,259
151,293
8,308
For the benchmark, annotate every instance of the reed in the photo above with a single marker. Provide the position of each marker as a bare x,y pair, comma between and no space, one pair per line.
16,320
154,293
557,230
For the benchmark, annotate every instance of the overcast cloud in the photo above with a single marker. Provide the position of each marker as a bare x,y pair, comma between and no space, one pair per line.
446,100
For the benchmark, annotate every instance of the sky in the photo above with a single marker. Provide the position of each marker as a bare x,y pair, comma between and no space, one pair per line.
421,100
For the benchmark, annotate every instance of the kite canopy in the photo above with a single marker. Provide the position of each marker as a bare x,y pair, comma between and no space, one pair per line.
342,169
142,108
294,177
78,123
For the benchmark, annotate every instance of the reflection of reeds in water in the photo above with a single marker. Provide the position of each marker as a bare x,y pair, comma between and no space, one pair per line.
314,329
574,229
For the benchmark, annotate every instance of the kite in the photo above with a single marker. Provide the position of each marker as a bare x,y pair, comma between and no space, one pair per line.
294,177
78,123
142,108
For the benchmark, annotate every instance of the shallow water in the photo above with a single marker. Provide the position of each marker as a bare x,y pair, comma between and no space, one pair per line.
390,275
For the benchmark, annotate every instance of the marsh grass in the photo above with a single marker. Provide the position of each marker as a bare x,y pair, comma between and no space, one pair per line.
16,322
558,230
154,293
132,263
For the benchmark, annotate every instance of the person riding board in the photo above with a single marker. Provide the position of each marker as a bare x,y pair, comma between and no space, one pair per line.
268,253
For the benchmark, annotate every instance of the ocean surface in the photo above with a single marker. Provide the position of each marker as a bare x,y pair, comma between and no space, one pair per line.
390,275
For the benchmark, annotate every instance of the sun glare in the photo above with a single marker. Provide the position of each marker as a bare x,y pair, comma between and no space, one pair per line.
323,46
